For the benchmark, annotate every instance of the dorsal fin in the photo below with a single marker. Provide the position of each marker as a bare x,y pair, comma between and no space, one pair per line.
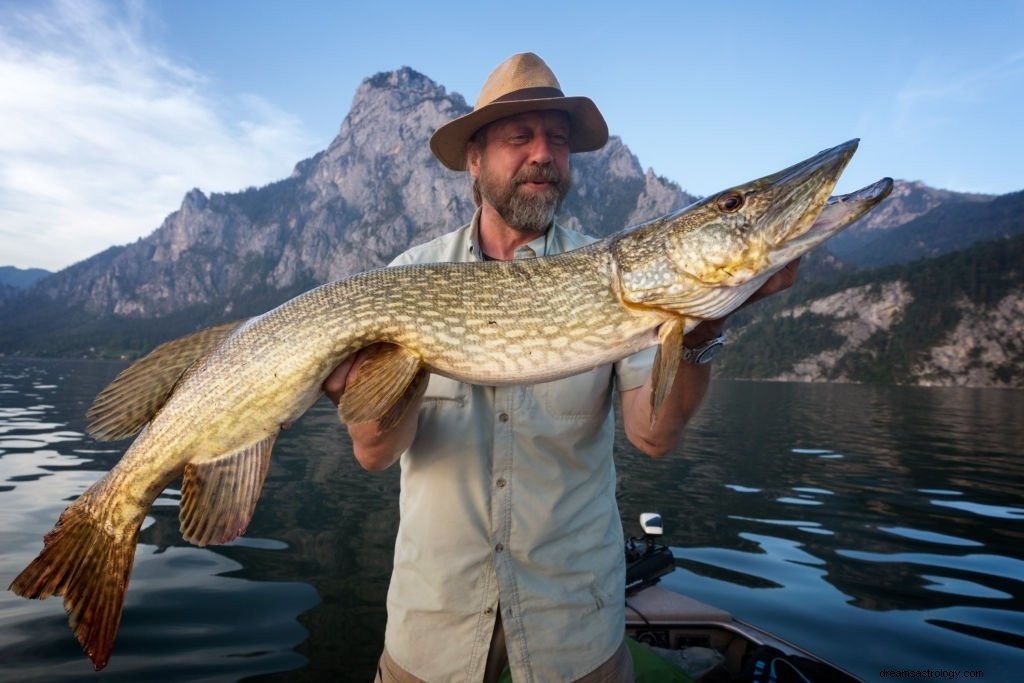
218,496
134,397
387,372
666,362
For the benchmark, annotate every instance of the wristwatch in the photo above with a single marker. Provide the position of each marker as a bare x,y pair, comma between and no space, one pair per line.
704,353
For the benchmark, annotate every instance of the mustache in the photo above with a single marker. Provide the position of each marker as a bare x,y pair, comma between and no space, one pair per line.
538,174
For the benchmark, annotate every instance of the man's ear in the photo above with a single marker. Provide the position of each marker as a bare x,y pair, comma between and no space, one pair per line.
473,159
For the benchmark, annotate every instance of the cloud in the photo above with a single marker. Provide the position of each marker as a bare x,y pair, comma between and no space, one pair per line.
102,133
947,119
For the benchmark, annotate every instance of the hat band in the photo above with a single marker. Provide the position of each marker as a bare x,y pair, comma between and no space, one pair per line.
530,94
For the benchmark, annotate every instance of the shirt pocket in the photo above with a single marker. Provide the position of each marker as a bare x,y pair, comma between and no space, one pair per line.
445,390
583,395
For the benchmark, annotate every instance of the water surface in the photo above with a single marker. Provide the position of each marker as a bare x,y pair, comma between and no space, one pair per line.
880,527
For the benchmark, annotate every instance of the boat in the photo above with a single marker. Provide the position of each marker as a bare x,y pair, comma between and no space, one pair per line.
707,642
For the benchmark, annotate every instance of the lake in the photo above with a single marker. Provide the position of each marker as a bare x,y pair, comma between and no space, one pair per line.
879,527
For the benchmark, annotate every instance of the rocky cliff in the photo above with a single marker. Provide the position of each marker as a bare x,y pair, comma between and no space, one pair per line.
952,320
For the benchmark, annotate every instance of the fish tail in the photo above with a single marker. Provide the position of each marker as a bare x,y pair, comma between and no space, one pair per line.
90,566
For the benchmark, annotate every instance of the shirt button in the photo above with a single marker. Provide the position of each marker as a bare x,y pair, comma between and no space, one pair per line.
498,548
500,483
503,417
489,611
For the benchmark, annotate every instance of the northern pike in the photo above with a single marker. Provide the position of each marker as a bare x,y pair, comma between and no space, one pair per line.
210,405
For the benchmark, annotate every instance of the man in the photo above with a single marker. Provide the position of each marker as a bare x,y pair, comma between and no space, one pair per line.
509,548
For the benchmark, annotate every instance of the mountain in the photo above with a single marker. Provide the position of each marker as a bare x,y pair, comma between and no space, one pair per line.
21,278
956,223
14,280
376,189
951,320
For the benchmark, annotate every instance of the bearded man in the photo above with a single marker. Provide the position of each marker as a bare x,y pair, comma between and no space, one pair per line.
510,547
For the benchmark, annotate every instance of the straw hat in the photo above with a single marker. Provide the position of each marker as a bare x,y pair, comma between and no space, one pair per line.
521,83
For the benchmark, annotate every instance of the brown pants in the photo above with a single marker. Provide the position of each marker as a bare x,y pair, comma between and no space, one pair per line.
617,669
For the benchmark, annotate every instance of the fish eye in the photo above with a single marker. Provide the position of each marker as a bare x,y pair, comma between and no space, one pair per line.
730,202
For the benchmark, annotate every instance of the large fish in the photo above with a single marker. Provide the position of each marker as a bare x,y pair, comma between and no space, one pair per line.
210,405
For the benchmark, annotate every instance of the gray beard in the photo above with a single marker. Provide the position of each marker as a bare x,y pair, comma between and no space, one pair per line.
530,214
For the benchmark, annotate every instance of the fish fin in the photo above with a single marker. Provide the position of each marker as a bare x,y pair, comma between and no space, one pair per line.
134,397
218,496
396,412
666,362
90,567
384,376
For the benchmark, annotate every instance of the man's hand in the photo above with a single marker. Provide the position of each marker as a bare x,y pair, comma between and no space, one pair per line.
374,449
709,329
783,279
336,382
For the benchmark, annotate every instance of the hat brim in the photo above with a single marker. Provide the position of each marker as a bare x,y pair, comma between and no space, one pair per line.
587,128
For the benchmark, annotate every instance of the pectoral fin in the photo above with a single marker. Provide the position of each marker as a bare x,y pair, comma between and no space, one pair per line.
416,389
218,496
666,362
135,396
388,381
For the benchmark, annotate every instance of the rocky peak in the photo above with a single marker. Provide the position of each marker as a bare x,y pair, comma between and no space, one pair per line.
194,201
390,108
405,85
910,200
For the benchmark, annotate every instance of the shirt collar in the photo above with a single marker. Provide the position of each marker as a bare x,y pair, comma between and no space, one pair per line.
545,245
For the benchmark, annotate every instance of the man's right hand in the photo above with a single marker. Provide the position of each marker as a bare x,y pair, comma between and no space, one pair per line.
334,385
373,448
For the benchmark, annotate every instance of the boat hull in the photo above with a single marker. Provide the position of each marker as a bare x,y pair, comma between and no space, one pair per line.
667,620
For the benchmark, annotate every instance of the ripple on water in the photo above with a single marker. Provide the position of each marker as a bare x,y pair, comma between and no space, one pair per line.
928,536
742,489
979,563
805,496
818,452
969,589
799,524
996,511
790,500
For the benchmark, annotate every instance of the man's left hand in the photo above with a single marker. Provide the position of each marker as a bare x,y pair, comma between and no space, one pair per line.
709,329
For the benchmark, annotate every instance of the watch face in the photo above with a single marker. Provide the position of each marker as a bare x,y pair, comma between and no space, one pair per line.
706,355
701,355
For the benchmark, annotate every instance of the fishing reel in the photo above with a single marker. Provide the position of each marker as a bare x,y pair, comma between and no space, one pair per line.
647,560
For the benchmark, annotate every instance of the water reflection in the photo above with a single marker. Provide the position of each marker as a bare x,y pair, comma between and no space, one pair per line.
879,526
186,617
814,500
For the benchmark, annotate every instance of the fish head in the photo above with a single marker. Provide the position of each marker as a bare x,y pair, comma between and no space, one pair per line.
705,260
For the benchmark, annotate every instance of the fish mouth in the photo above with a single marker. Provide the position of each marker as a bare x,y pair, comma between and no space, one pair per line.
837,214
796,195
786,214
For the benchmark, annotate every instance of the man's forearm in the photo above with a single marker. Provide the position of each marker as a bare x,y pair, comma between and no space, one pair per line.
376,450
657,437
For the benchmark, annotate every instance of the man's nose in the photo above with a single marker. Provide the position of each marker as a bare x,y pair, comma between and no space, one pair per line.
541,150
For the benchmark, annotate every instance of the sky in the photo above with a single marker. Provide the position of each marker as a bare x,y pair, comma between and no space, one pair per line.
111,111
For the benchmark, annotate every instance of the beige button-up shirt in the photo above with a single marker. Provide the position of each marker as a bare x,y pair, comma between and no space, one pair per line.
508,499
